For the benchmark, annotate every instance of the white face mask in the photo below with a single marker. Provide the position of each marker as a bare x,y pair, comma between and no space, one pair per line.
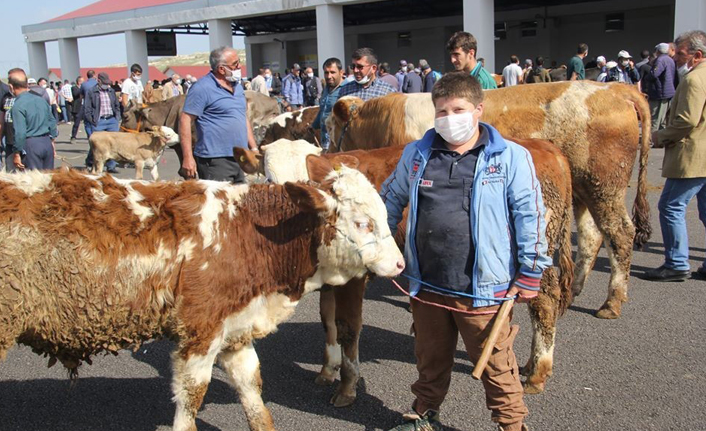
684,69
363,81
136,77
625,63
456,129
178,82
43,85
235,75
310,75
268,76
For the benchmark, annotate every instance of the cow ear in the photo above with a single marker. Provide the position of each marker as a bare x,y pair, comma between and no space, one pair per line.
307,198
318,168
249,161
340,110
345,159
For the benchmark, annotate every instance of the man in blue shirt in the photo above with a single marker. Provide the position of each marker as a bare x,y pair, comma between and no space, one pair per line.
217,104
333,74
34,126
292,87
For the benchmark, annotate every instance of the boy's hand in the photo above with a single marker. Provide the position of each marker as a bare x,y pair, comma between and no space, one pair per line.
523,295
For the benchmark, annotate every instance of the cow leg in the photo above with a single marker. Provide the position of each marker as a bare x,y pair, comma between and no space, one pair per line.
543,313
243,367
139,166
349,322
97,166
619,232
191,378
332,354
589,242
155,172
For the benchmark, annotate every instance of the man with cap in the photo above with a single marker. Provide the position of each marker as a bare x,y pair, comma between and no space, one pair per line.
33,124
625,71
660,86
101,109
292,87
401,74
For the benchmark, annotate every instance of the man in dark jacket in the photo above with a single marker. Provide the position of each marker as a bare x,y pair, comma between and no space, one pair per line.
625,70
661,86
76,107
101,109
412,82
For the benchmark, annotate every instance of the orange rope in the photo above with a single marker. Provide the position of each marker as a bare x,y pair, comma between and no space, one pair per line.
139,125
445,307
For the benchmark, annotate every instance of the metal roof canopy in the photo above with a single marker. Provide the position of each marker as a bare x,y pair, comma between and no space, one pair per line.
360,14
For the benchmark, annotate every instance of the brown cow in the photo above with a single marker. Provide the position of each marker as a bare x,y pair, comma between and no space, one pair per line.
595,126
341,309
293,126
90,265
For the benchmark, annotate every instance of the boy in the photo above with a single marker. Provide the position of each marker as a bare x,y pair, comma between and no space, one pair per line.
475,227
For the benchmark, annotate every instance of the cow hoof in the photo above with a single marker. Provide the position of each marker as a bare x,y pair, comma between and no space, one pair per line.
525,371
322,380
342,400
533,389
607,313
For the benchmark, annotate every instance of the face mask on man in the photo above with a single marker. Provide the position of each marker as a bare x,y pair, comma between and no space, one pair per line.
268,75
235,75
43,85
684,69
177,82
456,129
624,63
136,77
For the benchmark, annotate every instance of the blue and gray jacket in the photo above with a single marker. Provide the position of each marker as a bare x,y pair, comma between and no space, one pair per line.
507,215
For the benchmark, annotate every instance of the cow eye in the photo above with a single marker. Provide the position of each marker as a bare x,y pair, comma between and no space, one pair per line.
364,225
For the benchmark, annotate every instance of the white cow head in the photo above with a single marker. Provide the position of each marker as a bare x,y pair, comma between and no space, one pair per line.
166,135
362,240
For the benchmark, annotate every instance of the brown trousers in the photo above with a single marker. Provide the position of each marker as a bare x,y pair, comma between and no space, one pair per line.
436,335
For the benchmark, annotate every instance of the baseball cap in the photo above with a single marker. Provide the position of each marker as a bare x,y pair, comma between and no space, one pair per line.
600,59
624,54
31,81
104,79
296,66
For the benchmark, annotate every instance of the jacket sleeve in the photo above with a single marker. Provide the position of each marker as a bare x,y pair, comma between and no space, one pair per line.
688,112
286,90
88,107
658,69
395,189
316,124
527,216
19,124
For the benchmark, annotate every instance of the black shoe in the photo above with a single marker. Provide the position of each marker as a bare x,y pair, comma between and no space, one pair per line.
113,171
429,421
73,141
667,274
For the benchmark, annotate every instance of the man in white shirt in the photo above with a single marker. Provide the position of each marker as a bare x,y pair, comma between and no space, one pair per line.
259,83
512,74
132,87
69,98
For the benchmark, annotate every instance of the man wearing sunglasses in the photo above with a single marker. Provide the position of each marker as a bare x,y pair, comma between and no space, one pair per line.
365,84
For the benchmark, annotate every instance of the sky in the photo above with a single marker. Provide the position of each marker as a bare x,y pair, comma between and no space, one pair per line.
93,52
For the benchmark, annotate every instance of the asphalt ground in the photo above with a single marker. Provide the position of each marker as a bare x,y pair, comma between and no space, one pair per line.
641,372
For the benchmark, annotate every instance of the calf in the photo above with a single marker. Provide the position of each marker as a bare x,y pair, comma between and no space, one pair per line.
94,264
144,149
341,309
293,126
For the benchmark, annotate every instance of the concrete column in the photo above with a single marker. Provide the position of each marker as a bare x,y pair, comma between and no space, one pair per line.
220,33
329,34
136,44
479,20
250,60
37,53
69,59
689,15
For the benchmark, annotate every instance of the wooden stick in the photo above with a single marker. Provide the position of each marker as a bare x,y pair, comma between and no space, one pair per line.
500,319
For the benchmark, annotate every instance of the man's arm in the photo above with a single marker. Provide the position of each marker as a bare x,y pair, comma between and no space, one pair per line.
88,107
527,216
19,123
689,111
395,189
188,163
286,90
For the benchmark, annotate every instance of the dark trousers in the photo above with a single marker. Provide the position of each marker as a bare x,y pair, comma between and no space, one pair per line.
39,153
77,121
220,169
69,110
104,125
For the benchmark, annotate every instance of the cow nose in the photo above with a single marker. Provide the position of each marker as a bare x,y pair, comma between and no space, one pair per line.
400,264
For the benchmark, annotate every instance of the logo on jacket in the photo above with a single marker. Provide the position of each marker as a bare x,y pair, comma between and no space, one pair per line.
426,183
494,169
415,169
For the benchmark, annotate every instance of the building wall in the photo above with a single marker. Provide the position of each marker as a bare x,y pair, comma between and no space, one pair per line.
643,29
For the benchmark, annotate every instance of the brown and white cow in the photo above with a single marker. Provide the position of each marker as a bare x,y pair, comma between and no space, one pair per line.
341,309
95,264
595,126
293,126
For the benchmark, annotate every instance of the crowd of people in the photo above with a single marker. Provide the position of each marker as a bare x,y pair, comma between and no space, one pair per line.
430,176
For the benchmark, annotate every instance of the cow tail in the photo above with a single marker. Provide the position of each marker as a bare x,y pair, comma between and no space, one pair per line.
566,262
641,208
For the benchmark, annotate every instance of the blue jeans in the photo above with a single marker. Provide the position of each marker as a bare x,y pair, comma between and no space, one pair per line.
64,114
676,195
104,125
